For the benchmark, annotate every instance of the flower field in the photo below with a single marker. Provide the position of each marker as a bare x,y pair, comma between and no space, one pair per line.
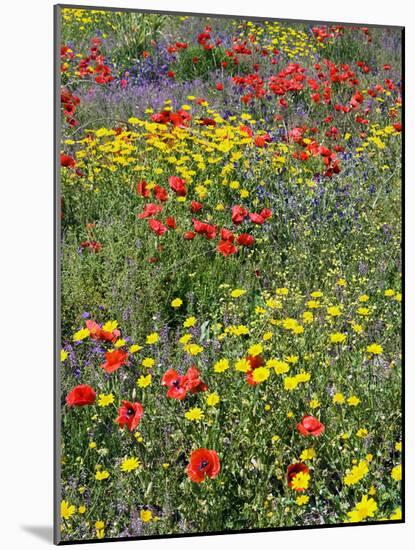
230,274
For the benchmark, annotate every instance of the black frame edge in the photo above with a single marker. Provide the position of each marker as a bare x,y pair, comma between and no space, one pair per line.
56,278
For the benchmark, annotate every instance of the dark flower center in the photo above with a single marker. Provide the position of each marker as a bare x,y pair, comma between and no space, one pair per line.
203,464
130,411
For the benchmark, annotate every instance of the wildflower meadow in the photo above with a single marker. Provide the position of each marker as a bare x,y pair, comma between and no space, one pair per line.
230,274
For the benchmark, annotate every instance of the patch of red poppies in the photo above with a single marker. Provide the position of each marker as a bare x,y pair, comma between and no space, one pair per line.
96,332
95,64
178,119
179,384
69,103
91,246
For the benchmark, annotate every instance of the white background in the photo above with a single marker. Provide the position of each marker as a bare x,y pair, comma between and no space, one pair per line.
26,235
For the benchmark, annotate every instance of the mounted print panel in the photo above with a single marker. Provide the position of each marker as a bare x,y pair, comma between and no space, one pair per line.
229,273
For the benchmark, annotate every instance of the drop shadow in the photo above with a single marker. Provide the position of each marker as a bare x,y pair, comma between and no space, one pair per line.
42,532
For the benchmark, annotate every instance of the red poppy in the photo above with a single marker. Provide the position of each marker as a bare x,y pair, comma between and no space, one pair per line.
219,86
69,109
65,51
193,382
293,470
129,414
204,228
204,36
200,227
142,189
256,218
250,378
196,206
80,396
246,130
161,118
356,99
310,426
226,248
180,118
207,122
189,235
203,463
150,210
92,246
160,193
239,213
178,185
254,362
96,332
67,161
157,227
114,359
245,240
210,231
227,235
259,141
171,222
266,213
176,384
